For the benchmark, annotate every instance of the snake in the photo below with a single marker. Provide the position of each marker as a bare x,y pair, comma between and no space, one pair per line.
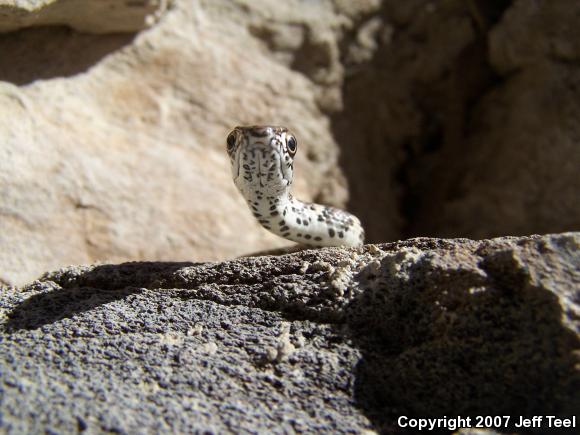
262,164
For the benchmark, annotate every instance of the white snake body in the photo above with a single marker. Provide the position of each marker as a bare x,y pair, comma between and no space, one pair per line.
262,159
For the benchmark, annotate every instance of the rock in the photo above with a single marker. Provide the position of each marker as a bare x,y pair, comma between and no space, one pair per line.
97,16
114,145
462,123
454,119
393,68
521,151
526,168
514,45
330,340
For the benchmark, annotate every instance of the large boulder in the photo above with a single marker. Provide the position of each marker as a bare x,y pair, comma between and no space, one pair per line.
326,341
113,146
453,118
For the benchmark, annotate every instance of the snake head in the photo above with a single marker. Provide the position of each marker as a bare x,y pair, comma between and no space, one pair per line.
262,159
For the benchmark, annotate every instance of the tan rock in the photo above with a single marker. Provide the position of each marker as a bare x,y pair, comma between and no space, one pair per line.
454,118
97,16
125,160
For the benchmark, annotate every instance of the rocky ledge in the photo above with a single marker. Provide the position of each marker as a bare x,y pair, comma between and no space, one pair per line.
95,16
329,340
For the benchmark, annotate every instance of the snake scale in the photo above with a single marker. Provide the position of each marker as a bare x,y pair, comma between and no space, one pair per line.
262,160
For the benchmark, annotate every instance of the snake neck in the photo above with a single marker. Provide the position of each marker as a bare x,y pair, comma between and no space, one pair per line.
274,212
309,224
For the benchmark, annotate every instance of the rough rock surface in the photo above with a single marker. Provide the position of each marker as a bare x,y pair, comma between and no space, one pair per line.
326,341
98,16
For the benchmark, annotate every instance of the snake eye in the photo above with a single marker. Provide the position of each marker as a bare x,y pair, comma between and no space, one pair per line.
291,145
231,141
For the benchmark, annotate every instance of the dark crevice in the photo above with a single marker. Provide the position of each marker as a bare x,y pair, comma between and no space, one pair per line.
491,10
400,177
434,175
410,198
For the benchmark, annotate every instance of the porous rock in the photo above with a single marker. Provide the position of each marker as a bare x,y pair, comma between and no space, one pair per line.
327,341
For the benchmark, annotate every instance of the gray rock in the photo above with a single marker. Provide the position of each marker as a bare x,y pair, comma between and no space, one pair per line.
327,341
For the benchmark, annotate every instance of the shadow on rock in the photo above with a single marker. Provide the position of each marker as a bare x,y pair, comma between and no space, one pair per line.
437,342
53,51
68,292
